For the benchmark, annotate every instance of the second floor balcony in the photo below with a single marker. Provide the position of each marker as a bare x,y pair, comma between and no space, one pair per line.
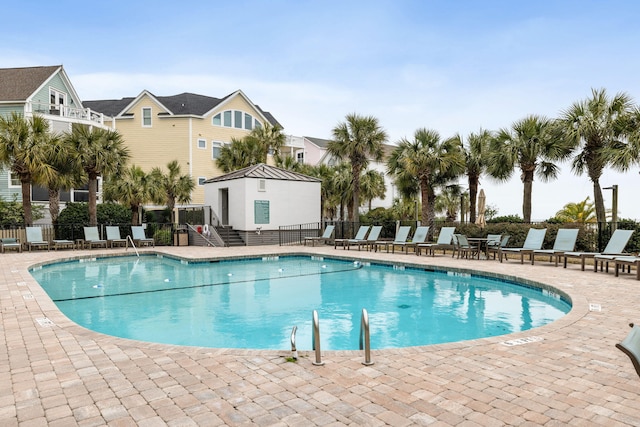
67,113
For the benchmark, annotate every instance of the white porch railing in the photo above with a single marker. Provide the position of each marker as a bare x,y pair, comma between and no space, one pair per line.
66,112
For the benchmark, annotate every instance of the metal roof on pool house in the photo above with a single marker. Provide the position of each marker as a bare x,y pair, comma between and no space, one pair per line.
263,171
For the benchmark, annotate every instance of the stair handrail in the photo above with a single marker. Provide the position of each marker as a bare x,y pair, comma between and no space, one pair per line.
215,217
213,232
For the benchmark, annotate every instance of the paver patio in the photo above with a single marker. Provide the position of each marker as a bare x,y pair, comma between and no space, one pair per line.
60,374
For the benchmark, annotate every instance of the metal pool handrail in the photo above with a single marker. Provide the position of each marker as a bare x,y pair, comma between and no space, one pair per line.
365,338
133,245
316,339
294,351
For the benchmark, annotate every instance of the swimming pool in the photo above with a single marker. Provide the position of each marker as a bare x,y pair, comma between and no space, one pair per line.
254,303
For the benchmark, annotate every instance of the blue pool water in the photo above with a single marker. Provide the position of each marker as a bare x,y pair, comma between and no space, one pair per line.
254,303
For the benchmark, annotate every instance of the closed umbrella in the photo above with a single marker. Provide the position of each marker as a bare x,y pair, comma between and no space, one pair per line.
482,200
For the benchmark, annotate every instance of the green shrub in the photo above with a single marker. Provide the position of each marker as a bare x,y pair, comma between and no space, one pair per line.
162,237
11,213
75,216
506,218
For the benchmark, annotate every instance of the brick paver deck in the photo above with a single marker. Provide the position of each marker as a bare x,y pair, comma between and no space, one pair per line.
61,374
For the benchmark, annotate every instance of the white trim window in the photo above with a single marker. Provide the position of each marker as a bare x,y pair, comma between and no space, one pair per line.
56,98
14,180
202,143
216,146
146,117
235,119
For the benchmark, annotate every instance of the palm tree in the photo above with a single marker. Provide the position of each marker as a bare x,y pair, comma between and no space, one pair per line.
22,150
531,146
172,186
476,152
132,187
372,185
99,152
325,173
598,128
68,175
431,162
241,153
358,139
582,212
341,185
404,208
269,137
448,202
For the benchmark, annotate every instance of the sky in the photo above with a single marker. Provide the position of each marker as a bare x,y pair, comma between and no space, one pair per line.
452,66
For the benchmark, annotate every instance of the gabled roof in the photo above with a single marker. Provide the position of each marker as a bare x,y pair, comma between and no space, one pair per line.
184,104
109,107
322,143
18,84
263,171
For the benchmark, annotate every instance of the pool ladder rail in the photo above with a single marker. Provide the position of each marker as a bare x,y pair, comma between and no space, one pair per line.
133,245
365,339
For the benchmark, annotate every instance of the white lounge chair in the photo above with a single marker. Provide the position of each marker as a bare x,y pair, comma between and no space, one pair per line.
419,236
326,236
372,237
360,235
533,241
615,247
139,238
565,242
62,244
35,240
10,243
114,238
401,237
92,238
444,242
628,261
631,346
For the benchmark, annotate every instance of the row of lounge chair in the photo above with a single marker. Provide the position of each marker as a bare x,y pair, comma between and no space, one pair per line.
368,237
563,248
34,240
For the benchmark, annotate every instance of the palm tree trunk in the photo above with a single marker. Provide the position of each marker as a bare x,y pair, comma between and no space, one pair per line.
601,213
26,202
431,208
93,199
428,209
526,200
356,193
171,205
54,205
134,214
473,193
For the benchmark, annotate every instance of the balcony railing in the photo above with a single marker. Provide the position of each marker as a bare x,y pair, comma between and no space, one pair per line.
67,112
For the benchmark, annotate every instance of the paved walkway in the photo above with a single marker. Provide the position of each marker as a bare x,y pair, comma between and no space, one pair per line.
60,374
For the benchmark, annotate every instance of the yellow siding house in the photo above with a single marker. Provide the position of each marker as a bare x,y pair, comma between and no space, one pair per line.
189,128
